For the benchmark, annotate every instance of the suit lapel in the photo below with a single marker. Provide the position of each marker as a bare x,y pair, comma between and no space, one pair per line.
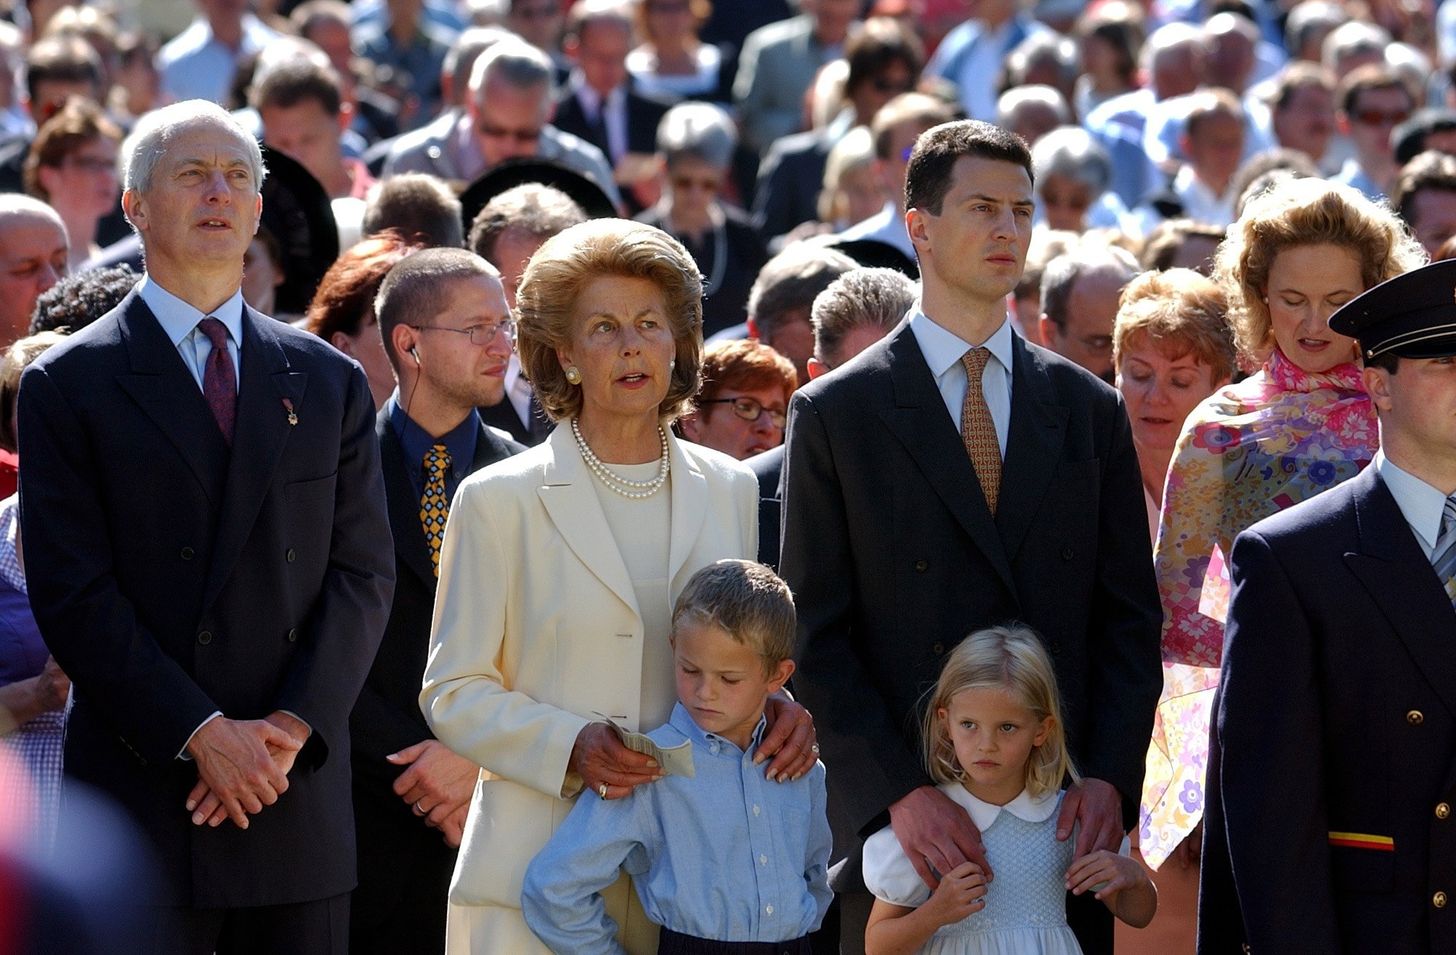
919,420
404,505
1399,578
1033,448
166,392
259,437
689,489
571,503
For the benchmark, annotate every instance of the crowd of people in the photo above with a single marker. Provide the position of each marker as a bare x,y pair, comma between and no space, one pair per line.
765,476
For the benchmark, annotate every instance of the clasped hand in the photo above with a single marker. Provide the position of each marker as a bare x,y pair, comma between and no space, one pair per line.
242,766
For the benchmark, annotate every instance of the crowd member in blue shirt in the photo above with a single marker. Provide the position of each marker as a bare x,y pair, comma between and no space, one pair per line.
724,855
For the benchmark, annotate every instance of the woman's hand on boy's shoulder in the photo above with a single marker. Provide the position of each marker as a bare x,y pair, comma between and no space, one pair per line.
789,743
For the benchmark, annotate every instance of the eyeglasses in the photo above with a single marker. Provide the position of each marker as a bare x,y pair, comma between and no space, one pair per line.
480,335
751,409
1376,117
502,132
90,163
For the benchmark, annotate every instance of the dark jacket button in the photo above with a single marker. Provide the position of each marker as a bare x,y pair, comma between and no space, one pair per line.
1068,553
938,649
187,553
921,566
293,635
205,637
290,555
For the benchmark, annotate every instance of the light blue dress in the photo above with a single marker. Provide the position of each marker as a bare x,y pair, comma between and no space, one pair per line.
1026,909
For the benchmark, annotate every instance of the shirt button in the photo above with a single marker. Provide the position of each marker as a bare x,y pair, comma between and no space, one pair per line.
1415,717
768,909
756,810
763,859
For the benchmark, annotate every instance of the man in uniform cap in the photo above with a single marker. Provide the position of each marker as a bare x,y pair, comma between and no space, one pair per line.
1332,770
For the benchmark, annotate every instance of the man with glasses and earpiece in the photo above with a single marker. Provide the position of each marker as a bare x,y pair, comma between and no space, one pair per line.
507,115
448,334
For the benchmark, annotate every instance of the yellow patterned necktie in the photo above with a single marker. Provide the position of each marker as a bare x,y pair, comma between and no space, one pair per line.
978,430
434,504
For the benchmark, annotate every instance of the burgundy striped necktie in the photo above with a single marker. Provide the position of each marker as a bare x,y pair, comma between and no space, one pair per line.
219,380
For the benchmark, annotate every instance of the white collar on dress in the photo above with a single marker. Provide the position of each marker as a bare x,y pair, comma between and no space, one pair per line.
1024,807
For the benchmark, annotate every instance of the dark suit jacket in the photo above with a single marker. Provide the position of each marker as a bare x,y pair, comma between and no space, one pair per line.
894,558
1337,714
503,415
768,467
387,717
173,578
643,115
789,181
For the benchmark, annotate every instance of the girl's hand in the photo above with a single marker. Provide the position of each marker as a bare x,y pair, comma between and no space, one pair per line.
1118,882
961,892
1104,873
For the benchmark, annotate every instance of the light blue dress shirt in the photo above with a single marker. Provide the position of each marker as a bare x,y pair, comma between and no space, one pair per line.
724,855
179,320
1422,505
943,351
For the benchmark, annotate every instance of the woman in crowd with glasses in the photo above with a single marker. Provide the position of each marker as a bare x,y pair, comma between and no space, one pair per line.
695,144
560,567
742,405
72,166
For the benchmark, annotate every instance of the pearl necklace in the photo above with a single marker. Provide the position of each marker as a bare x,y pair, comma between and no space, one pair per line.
614,481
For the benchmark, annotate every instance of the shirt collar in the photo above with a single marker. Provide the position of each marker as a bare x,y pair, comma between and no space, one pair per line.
683,723
1422,505
1025,807
459,441
943,348
589,97
179,318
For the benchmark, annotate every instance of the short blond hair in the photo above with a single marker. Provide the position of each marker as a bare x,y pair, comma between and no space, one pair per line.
589,250
1179,312
1302,212
1009,658
747,601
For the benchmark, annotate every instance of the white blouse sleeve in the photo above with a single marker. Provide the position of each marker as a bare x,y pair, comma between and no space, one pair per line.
888,873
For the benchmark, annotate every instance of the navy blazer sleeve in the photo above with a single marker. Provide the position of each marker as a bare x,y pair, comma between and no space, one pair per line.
90,627
1268,724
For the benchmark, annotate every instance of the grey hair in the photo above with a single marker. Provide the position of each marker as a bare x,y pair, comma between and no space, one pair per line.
1305,18
792,280
860,298
1062,273
1071,151
151,134
1170,38
515,63
697,131
1018,97
467,48
1353,38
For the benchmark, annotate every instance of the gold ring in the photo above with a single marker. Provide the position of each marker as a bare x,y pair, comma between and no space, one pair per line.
602,790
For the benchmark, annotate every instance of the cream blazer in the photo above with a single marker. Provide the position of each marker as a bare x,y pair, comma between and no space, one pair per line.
536,630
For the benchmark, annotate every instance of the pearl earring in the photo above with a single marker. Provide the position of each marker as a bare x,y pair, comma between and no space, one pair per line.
573,375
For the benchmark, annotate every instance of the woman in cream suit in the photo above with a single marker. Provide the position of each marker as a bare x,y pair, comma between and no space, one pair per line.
560,567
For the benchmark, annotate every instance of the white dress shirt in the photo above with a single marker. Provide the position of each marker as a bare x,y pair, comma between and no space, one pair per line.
943,351
179,320
613,112
1422,505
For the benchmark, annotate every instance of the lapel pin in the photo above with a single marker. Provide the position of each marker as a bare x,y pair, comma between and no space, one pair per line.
292,415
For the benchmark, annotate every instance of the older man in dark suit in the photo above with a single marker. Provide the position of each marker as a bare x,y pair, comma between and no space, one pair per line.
448,334
953,477
206,546
1332,772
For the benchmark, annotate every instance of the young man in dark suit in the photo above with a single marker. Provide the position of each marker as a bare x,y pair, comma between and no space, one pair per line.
922,504
1332,770
448,334
203,521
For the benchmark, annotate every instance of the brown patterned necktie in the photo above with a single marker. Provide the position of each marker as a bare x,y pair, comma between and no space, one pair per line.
978,430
